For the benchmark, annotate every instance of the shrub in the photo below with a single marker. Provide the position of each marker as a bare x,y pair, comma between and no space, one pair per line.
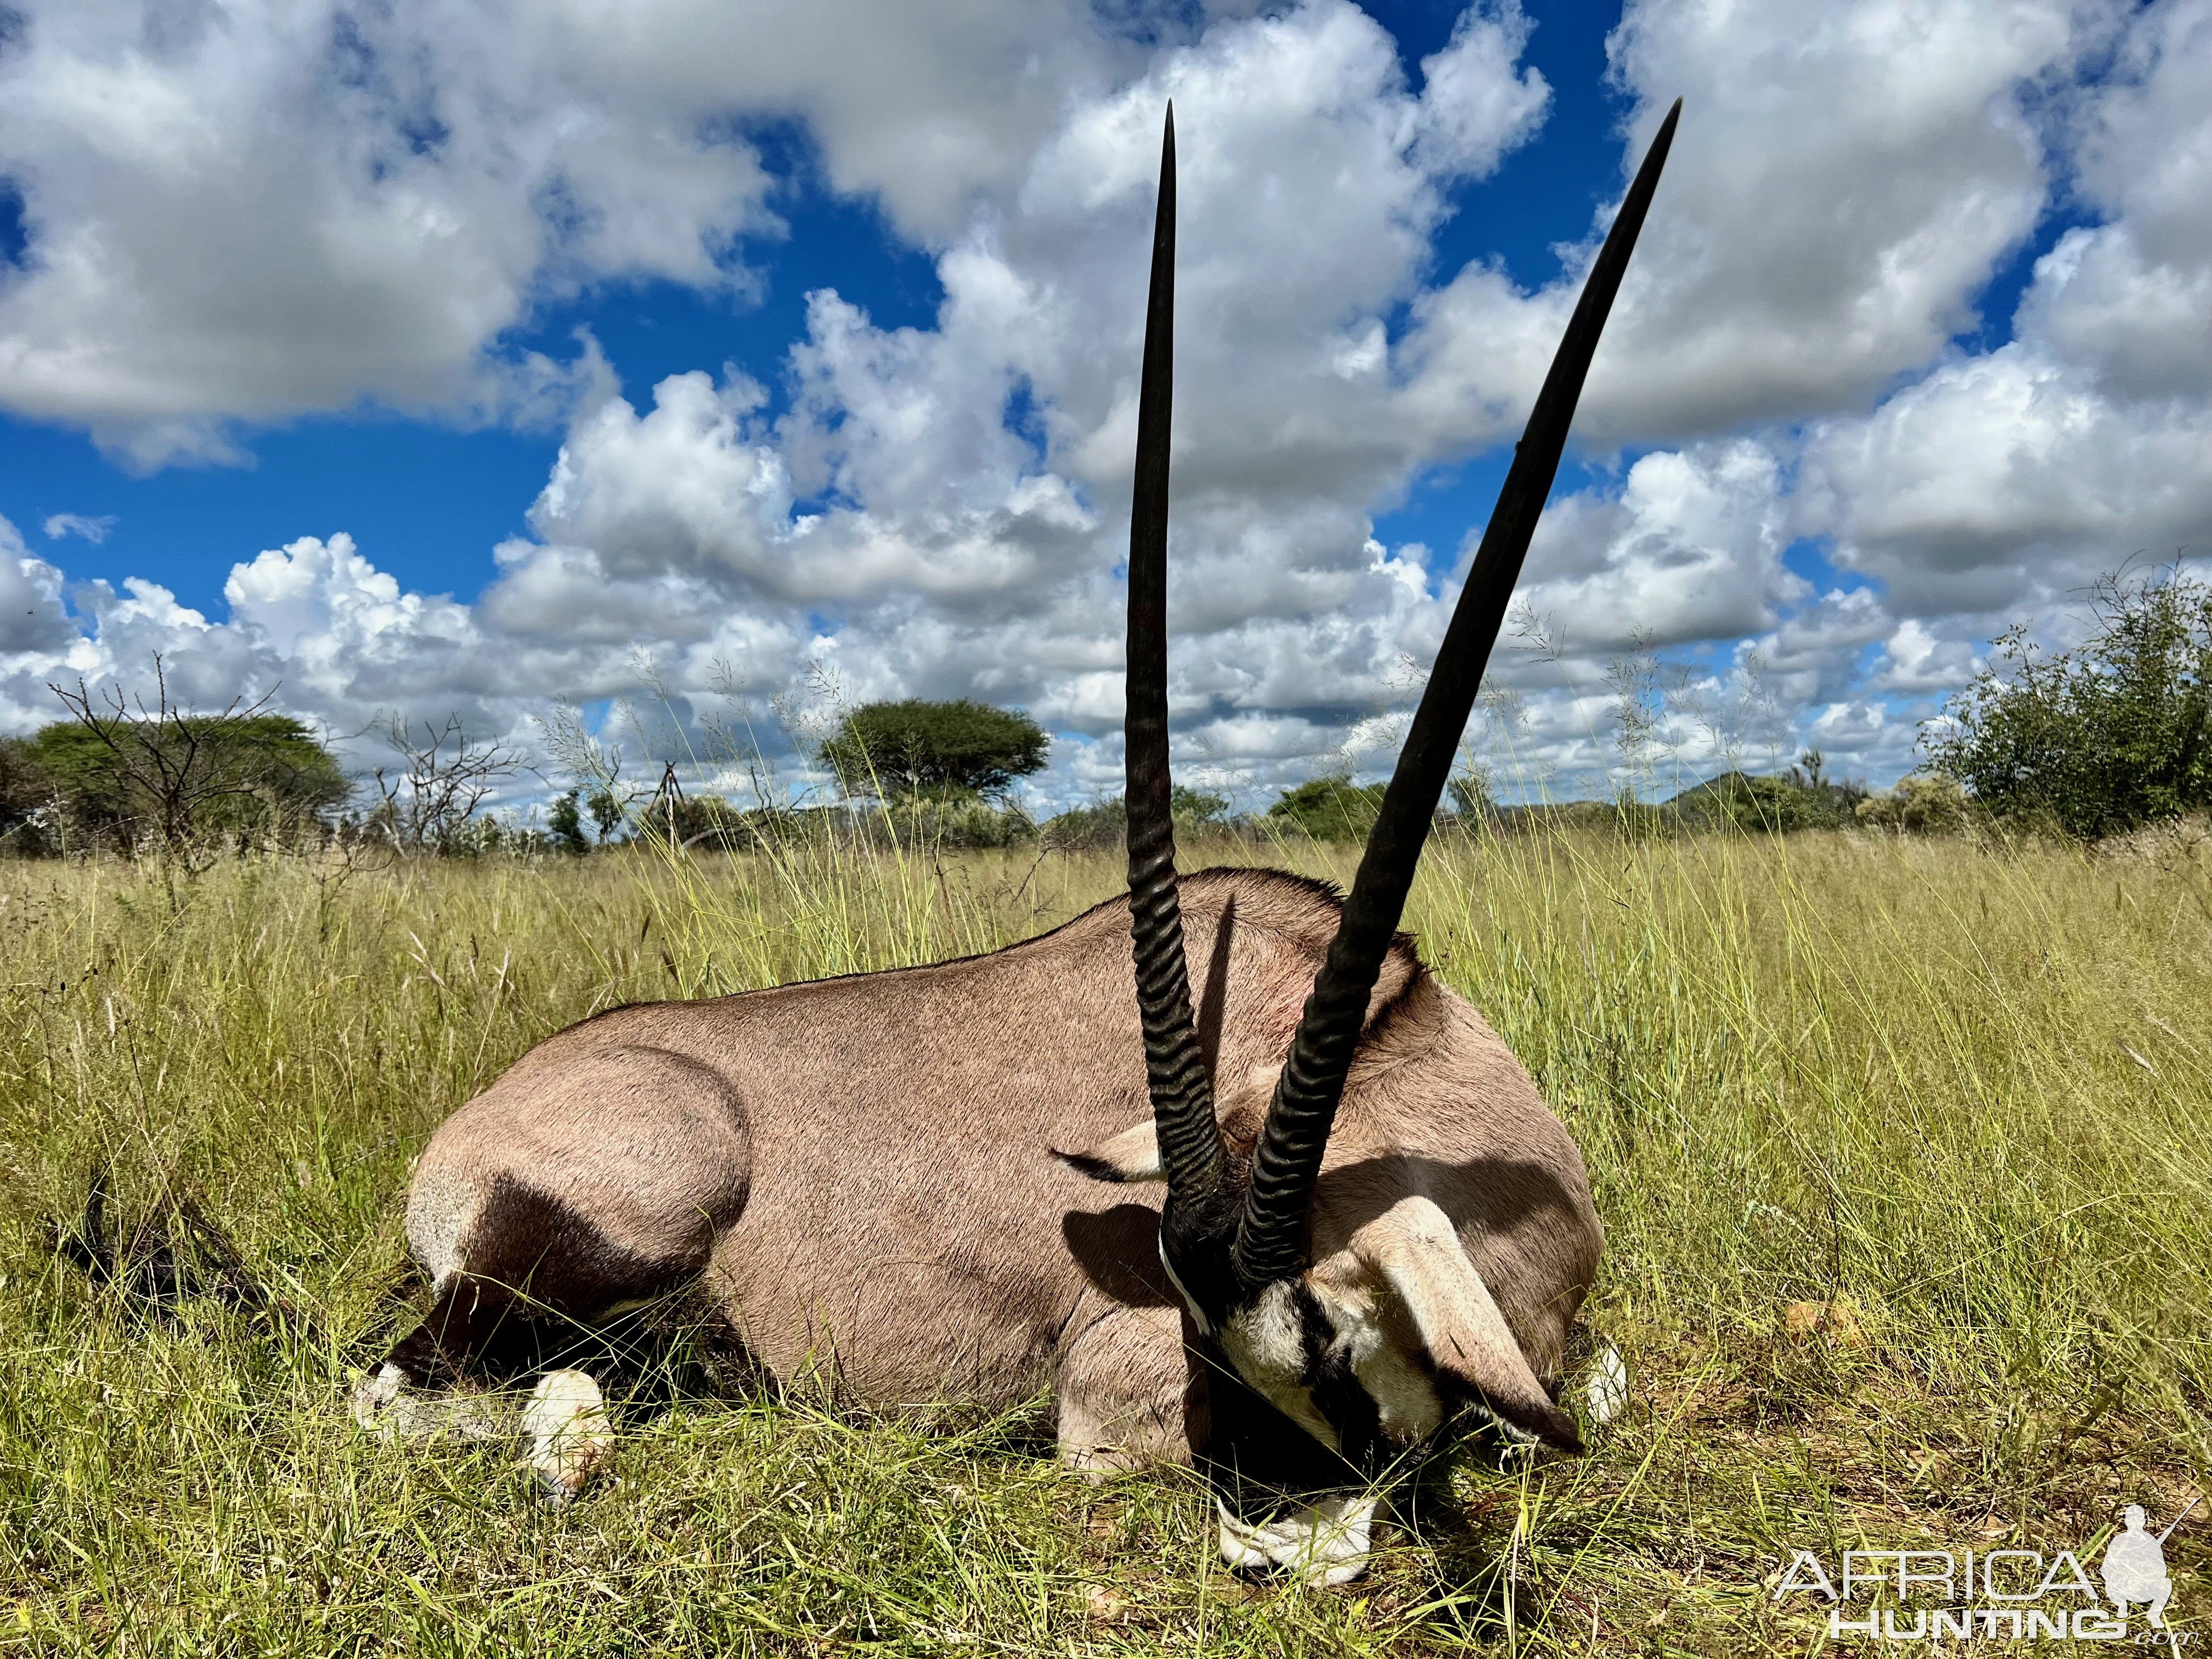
1802,798
1470,796
950,818
699,821
1101,825
1922,803
2101,739
926,820
1332,808
898,749
1106,822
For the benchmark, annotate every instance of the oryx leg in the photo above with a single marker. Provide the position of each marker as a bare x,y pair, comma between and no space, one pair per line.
571,1437
422,1389
555,1202
1123,1391
473,1334
563,1419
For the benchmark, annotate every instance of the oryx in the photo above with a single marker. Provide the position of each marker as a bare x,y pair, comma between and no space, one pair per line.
1370,1220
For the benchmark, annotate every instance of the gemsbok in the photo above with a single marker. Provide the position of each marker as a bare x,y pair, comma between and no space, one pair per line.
1371,1223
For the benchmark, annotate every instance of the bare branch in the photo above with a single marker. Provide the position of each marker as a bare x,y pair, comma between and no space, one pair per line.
171,766
443,776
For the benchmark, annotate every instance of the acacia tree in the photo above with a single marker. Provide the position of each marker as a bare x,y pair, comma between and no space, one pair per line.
127,771
901,749
1331,808
2114,733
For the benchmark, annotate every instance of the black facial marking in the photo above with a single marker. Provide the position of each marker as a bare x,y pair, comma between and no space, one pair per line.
1329,1381
1256,1459
1339,1396
1194,1242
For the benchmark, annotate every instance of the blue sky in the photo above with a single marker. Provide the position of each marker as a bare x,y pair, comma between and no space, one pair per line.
433,501
392,373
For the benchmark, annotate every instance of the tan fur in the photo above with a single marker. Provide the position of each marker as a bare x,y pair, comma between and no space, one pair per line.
859,1165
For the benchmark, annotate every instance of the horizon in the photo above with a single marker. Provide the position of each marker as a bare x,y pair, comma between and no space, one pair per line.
710,377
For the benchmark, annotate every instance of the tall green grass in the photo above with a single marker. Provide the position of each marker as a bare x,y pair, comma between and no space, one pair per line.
1953,1100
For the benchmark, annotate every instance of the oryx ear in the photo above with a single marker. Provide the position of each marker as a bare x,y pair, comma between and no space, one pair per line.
1416,1250
1133,1155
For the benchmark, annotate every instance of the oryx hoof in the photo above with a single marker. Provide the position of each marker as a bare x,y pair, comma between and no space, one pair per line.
373,1400
572,1440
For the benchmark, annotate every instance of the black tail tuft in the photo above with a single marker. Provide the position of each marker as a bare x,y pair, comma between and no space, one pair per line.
1097,1169
88,1249
177,1253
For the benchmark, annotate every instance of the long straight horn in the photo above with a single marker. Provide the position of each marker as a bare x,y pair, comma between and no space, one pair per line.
1175,1064
1271,1235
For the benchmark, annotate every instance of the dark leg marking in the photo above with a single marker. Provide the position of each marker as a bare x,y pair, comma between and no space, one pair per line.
539,1296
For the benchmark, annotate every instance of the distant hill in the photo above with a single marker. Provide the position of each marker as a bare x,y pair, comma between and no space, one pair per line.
1742,799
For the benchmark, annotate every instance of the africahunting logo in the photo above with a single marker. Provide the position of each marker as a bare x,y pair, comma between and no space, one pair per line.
2007,1593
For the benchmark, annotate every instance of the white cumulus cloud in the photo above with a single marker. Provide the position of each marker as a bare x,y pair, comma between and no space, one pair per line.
1810,488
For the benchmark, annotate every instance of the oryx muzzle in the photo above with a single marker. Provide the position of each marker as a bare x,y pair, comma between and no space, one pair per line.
1371,1219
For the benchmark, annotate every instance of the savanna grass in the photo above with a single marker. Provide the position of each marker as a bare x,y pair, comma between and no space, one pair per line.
1900,1147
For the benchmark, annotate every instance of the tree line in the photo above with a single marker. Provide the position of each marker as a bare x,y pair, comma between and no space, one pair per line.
2086,743
126,775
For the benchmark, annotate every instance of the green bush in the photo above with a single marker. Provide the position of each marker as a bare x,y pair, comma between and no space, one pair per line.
892,750
1470,796
950,819
1741,800
1331,808
119,780
701,821
1106,822
1101,825
923,820
1922,803
2102,739
1622,818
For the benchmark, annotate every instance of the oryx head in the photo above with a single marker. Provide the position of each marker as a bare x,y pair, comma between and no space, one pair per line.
1237,1248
